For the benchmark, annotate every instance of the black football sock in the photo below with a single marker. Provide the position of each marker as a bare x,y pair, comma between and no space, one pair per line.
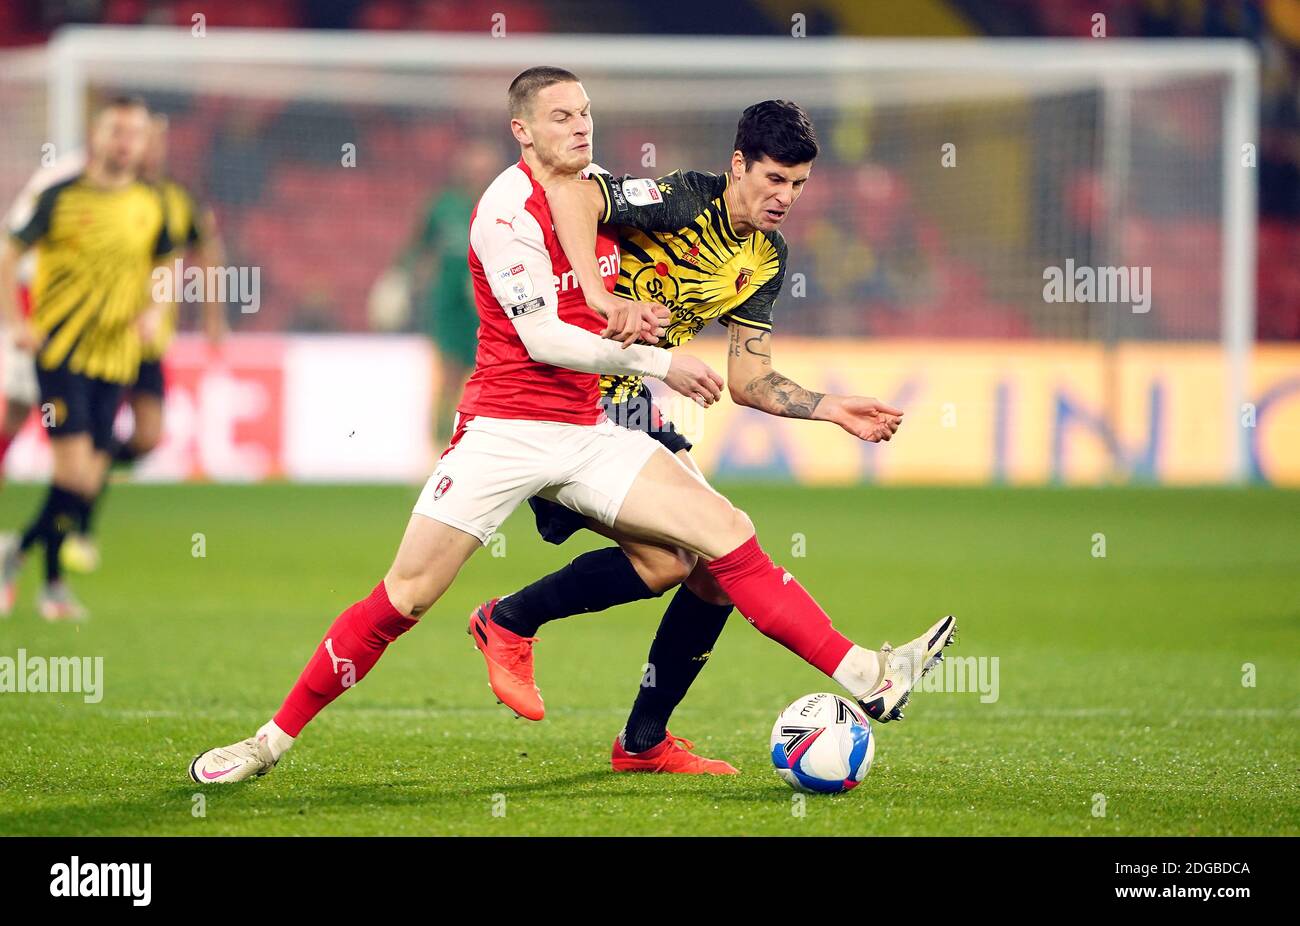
592,582
35,529
123,453
63,521
56,500
682,645
91,506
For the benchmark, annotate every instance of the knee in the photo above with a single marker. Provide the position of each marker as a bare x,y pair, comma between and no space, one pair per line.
740,527
722,528
147,433
146,438
410,595
705,587
82,481
661,569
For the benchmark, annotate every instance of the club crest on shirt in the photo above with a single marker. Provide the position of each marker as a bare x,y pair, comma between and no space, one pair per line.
742,278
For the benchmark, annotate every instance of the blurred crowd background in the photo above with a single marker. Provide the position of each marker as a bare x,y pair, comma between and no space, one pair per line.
888,246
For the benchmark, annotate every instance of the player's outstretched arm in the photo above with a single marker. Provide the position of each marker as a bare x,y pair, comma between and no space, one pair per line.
149,319
24,337
550,339
210,251
16,244
577,207
9,254
752,381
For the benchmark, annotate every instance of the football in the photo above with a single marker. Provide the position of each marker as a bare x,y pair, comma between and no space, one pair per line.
822,744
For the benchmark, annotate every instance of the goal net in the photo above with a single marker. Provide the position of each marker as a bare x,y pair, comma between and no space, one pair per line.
1055,190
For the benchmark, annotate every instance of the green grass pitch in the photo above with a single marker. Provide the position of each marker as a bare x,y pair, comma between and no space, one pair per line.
1119,676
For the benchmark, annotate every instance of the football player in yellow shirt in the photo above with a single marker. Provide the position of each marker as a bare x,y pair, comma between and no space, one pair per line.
97,238
192,232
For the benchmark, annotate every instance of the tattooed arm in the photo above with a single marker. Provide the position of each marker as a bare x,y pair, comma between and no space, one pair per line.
753,382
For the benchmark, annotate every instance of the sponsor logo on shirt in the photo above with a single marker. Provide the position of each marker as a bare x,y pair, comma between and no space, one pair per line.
523,308
608,264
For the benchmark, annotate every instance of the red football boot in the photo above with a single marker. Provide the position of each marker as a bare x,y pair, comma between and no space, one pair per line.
509,660
673,756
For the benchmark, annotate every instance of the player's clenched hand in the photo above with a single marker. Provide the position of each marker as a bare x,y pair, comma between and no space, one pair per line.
866,418
631,321
694,379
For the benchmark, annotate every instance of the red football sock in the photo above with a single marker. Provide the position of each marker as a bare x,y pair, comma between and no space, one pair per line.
779,607
351,647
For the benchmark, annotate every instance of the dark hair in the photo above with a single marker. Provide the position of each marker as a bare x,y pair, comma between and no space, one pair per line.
524,87
777,129
125,101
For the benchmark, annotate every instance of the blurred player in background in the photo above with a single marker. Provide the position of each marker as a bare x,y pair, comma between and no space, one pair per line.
97,237
192,232
434,268
708,247
21,390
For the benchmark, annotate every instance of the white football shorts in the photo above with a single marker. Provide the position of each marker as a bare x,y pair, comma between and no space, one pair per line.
19,372
495,464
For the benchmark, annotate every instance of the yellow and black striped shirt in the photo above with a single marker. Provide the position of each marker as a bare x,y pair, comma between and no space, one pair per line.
677,247
184,232
95,251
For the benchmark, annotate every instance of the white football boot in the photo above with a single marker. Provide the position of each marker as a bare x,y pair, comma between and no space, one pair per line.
237,762
57,603
903,667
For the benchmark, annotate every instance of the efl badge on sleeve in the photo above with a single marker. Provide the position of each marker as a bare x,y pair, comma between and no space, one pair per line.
642,192
516,282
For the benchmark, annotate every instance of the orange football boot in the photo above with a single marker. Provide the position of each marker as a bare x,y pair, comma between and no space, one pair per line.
673,755
509,660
